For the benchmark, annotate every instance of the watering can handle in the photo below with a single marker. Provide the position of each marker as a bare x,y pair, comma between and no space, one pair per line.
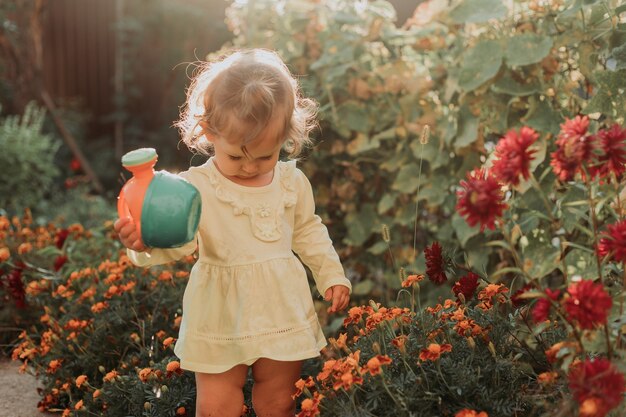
122,207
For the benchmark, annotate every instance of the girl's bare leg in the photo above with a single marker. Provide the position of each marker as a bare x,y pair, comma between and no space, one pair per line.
221,395
273,387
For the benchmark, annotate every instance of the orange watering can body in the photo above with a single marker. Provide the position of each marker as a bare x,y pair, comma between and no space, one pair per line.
140,163
164,207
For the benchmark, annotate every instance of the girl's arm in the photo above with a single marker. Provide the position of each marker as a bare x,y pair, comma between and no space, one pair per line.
311,241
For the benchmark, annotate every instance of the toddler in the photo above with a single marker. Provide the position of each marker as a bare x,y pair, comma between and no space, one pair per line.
247,302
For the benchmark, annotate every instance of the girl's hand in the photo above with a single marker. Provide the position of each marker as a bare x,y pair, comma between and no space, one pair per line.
340,296
128,234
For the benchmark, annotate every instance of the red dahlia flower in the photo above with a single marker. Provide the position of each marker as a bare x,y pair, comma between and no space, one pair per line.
588,304
514,155
574,148
613,242
612,143
597,386
435,266
541,309
466,285
480,199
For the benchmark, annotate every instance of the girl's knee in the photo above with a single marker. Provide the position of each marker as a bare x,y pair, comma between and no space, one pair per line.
268,402
227,403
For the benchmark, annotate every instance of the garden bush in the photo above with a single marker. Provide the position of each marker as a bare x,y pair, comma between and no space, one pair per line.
27,160
471,70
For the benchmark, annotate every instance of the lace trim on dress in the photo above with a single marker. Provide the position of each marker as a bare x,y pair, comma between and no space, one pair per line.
265,215
310,324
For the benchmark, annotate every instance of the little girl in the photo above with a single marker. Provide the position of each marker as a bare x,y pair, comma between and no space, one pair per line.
247,302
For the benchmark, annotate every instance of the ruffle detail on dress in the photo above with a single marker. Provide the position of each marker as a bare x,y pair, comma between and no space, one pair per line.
265,216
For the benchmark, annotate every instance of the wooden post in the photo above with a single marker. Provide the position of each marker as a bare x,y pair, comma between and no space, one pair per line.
71,142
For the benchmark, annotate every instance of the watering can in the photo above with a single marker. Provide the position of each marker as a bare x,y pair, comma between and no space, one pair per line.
164,207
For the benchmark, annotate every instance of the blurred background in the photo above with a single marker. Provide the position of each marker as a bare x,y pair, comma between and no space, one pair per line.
113,73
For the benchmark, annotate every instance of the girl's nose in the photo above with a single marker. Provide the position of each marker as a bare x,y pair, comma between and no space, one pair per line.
249,166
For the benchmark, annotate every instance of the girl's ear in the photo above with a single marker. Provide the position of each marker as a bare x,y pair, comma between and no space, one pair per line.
205,131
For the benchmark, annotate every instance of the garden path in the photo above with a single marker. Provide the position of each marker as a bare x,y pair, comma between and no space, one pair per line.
18,392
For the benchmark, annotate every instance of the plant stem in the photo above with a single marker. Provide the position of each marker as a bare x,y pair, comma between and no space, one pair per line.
594,220
419,182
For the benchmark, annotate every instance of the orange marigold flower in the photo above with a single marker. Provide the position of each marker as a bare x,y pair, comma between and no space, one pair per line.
96,394
177,321
167,342
310,406
5,254
53,366
400,342
301,385
412,279
341,341
24,248
181,411
173,366
78,405
80,380
374,365
166,276
434,351
99,306
354,315
66,413
470,413
547,377
4,223
144,374
110,376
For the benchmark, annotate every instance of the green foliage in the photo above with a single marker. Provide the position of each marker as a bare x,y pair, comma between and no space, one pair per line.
471,72
27,160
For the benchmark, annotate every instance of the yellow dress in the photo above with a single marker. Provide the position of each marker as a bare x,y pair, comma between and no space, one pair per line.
248,296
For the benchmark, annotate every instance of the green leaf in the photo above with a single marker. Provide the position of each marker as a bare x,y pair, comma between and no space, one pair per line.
581,263
542,117
480,64
362,143
463,230
508,85
406,181
387,202
540,257
467,132
527,48
354,116
361,224
619,55
363,288
609,99
478,11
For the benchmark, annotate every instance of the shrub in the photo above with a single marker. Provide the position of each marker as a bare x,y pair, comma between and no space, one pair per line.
27,160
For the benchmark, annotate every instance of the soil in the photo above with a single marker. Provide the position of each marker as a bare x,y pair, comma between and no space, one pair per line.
18,392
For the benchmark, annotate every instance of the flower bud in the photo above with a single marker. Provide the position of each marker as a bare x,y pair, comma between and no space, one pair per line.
147,406
471,343
376,347
492,349
425,135
101,369
386,234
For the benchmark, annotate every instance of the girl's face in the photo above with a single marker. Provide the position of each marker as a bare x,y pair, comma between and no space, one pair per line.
252,165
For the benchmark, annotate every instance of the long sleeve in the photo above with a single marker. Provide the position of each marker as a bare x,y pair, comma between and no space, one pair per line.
311,241
161,256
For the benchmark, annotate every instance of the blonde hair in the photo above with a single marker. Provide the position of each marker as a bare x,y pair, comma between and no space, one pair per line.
237,95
